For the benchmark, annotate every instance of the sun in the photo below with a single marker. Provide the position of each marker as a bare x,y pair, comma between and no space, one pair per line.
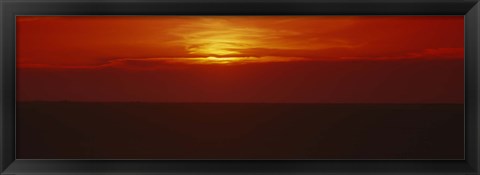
222,60
217,60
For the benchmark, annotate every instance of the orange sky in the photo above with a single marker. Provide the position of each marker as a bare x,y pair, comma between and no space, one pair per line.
117,41
168,42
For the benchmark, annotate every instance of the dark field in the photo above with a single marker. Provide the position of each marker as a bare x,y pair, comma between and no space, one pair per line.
70,130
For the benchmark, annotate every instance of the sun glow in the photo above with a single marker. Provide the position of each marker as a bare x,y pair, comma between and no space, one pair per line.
214,49
221,60
216,39
228,60
216,60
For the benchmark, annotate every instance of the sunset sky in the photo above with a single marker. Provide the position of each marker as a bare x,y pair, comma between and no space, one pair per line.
284,59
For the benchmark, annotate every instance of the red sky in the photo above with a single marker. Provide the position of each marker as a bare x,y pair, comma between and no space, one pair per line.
321,59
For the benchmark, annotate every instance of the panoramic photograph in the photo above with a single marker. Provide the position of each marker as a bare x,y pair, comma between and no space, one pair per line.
240,87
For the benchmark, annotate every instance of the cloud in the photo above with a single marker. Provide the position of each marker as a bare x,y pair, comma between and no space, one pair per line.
433,53
440,53
157,63
168,63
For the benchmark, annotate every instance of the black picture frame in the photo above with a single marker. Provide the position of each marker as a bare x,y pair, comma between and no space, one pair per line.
11,8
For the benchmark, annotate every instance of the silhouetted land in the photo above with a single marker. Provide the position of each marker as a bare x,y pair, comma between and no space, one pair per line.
239,131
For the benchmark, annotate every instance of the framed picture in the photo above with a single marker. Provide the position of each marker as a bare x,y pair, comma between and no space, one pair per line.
239,87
